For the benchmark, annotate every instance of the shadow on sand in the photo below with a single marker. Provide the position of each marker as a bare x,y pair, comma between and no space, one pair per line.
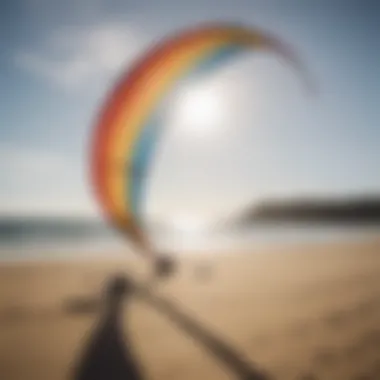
108,353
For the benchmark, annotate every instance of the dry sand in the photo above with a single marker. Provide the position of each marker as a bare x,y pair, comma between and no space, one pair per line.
303,313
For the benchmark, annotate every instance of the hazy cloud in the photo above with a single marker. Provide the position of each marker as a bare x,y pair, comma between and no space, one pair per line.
40,181
74,57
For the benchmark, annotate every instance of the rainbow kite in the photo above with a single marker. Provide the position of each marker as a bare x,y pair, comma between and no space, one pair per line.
130,121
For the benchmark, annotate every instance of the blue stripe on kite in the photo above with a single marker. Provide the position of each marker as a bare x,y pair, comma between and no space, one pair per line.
147,142
143,153
214,61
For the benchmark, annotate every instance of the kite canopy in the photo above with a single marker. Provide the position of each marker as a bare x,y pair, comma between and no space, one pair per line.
130,122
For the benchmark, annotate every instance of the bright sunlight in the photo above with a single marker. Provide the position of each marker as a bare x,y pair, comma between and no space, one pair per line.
197,110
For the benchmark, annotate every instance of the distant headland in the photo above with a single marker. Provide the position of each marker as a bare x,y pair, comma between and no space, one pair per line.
314,210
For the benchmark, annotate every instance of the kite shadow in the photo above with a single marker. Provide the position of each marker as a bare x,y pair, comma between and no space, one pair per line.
109,353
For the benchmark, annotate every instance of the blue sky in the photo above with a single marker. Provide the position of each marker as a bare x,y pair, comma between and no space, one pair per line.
59,59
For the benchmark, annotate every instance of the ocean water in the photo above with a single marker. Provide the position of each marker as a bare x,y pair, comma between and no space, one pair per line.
55,239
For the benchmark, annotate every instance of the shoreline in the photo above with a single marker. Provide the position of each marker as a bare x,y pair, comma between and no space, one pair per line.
255,249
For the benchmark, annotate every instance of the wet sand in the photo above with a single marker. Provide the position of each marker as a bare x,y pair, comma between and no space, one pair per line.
297,312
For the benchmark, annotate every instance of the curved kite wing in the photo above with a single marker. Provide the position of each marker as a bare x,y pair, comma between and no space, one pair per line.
129,125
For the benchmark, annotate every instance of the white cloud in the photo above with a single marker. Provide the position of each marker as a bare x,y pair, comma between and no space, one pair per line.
78,56
45,182
40,206
30,161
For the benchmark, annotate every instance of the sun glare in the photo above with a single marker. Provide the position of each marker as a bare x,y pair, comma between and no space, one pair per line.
197,110
188,224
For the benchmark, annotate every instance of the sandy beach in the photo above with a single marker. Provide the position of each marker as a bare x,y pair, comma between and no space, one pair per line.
298,312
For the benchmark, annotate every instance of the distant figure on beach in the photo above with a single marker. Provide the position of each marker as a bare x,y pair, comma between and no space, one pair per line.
165,266
108,354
